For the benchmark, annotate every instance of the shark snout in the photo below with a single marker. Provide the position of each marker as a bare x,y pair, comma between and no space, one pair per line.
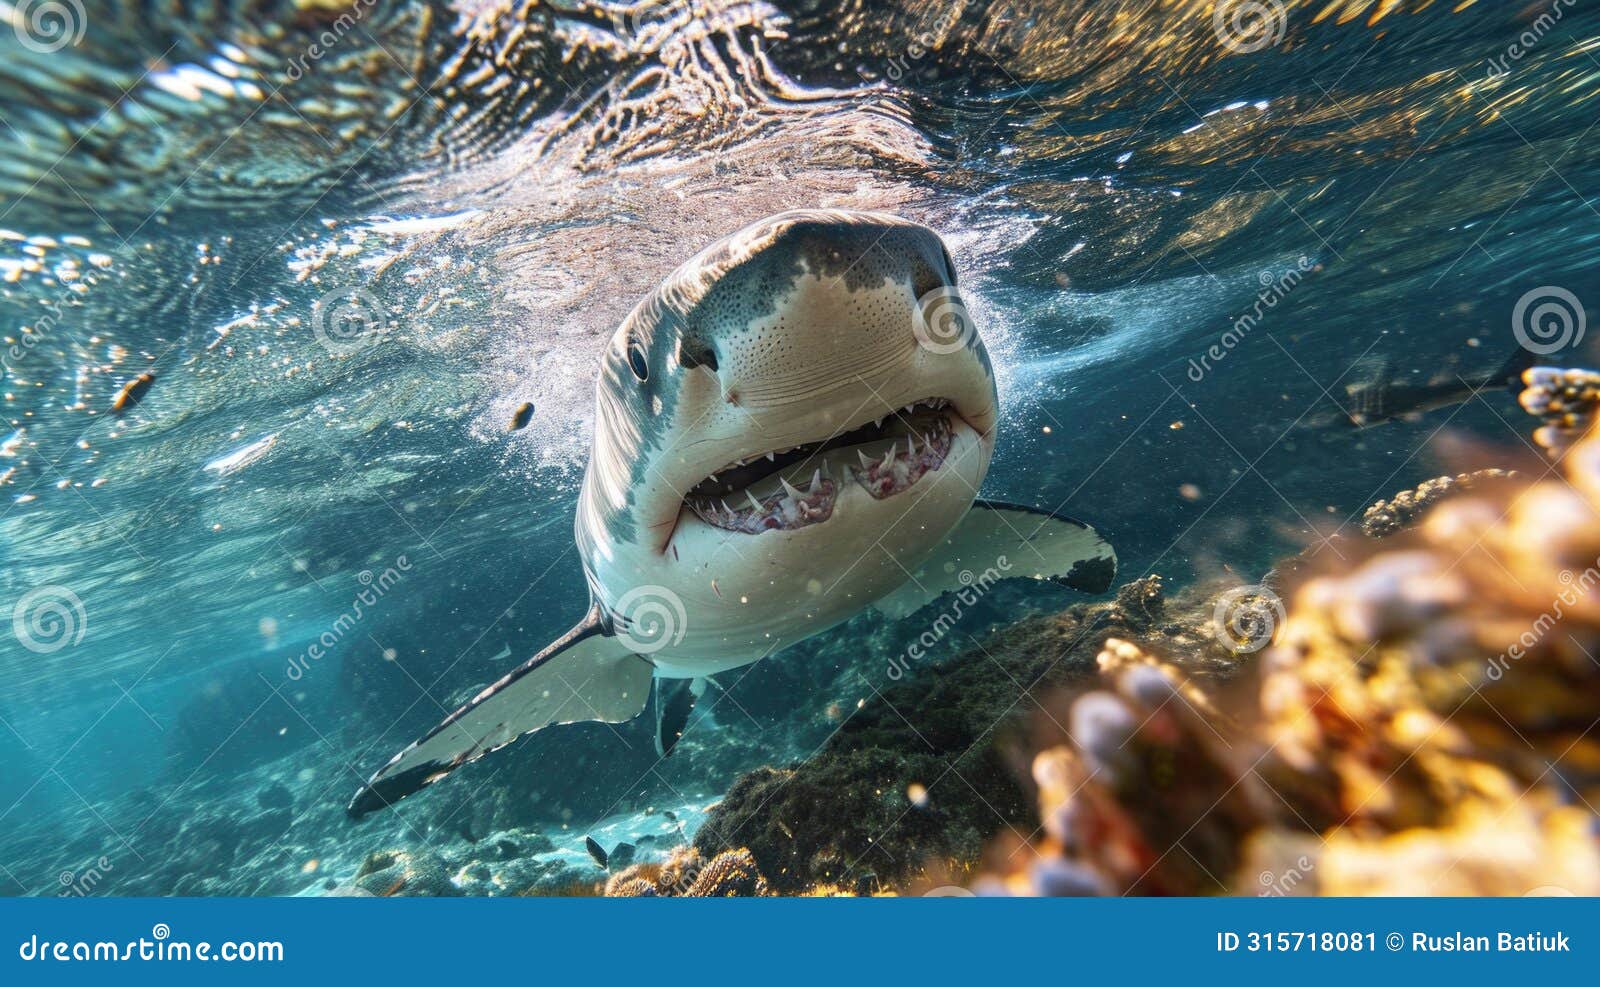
827,368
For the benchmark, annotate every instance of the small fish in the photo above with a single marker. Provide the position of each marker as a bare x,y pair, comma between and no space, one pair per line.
521,417
597,851
132,392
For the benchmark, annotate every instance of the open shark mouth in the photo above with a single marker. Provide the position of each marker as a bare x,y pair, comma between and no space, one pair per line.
784,489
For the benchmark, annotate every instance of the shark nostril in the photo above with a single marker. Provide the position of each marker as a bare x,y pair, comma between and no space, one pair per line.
693,352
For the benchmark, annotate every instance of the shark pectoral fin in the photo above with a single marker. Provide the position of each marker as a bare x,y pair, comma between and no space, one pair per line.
1008,541
585,675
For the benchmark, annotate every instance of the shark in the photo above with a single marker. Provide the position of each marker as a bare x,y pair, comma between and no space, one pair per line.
791,429
1381,394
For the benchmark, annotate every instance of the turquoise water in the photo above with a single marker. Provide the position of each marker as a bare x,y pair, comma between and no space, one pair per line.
347,265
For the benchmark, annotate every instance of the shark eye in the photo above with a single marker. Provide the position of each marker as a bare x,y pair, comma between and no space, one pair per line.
637,362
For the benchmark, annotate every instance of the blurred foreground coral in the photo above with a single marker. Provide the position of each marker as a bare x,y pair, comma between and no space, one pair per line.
1421,724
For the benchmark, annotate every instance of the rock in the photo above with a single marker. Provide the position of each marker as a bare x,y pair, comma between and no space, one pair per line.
622,855
409,873
275,796
1386,517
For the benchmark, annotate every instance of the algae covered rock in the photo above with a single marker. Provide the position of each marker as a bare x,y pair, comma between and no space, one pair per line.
918,777
845,817
1387,517
410,873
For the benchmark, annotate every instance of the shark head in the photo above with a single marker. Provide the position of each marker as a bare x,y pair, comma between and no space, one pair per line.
787,367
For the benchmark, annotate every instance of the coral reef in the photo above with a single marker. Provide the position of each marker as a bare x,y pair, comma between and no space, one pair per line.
1420,725
1386,517
688,874
913,781
1565,399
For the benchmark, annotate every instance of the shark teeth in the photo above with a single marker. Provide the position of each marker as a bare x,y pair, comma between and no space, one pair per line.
788,510
904,415
899,470
908,443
